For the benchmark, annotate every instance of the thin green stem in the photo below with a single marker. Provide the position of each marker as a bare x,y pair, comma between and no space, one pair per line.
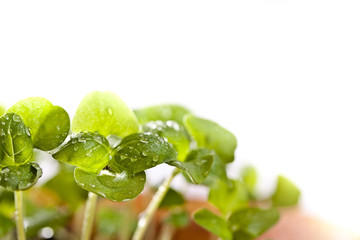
149,212
19,212
89,216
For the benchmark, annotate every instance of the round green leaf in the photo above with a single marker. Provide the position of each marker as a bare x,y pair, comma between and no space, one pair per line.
162,112
252,221
140,151
49,124
197,164
18,178
211,135
89,151
228,198
111,185
105,113
172,198
213,223
286,193
15,141
173,132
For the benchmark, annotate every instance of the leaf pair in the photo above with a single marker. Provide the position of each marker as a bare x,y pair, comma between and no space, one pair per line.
244,224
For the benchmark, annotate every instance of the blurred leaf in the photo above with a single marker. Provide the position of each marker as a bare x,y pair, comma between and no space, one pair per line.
105,113
172,198
286,193
49,124
15,141
218,171
173,132
19,178
44,217
89,151
115,223
163,112
63,184
140,151
6,225
111,185
252,222
211,135
213,223
228,198
249,178
197,164
178,219
2,110
7,207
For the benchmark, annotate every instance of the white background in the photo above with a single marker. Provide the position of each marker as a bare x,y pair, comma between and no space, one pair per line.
281,74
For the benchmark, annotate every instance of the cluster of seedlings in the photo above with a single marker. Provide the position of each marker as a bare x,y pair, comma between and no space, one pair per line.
111,147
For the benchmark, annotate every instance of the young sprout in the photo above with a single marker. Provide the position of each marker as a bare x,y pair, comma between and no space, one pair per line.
30,123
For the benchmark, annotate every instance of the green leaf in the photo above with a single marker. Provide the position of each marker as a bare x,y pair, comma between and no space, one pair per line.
197,164
178,219
15,141
63,183
218,171
286,193
213,223
172,198
140,151
18,178
113,186
173,132
49,124
211,135
105,113
249,177
228,198
6,225
89,151
252,221
163,112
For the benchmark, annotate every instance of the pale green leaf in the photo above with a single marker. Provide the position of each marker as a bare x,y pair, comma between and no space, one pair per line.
213,223
286,193
162,112
105,113
211,135
228,198
49,124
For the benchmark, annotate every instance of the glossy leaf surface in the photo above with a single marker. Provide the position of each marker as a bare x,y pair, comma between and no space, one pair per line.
15,141
140,151
49,124
228,198
197,164
111,185
213,223
173,132
211,135
89,151
19,178
286,193
252,221
163,112
105,113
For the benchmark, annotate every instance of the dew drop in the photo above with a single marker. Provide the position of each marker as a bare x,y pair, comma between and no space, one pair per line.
58,127
73,141
27,131
2,122
133,160
156,158
98,139
76,148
